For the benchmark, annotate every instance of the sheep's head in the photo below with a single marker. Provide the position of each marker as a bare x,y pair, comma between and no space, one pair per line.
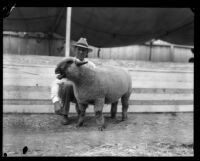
69,68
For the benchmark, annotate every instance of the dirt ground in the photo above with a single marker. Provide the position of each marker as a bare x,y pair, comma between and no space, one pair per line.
160,134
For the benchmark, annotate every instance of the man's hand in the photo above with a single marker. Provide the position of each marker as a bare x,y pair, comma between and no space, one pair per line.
57,108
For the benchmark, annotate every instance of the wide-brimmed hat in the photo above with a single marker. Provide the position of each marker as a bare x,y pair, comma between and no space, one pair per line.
82,42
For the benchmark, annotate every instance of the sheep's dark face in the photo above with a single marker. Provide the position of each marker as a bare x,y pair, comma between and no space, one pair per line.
62,67
68,68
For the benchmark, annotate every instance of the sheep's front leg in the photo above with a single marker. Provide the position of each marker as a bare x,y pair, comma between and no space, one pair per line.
98,108
77,109
113,110
82,108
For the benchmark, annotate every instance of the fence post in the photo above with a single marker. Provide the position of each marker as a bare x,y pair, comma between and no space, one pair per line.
172,53
98,52
151,43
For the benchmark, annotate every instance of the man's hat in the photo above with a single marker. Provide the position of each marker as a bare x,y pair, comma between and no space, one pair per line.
82,42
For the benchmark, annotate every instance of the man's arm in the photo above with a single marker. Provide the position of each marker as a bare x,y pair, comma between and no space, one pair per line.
55,89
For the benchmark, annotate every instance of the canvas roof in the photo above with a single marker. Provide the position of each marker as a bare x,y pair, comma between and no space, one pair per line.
108,26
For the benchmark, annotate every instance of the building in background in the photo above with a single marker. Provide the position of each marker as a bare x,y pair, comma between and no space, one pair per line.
22,43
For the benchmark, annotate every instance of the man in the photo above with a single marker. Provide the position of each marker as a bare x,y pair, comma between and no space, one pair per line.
62,90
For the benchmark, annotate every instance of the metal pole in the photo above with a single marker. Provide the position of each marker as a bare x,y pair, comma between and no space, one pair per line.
67,36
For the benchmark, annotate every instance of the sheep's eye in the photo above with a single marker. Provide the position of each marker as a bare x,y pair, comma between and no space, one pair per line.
69,62
62,67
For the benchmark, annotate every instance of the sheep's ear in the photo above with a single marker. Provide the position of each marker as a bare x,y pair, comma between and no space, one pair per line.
79,63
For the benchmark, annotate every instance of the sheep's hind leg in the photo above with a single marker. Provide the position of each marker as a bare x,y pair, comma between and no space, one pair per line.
125,104
82,108
113,110
98,108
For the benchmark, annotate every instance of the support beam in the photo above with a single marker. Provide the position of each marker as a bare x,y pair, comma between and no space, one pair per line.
67,36
58,19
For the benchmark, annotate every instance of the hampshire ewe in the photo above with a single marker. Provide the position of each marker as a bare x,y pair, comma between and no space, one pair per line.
96,86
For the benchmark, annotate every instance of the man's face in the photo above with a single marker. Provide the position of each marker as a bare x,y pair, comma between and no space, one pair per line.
81,53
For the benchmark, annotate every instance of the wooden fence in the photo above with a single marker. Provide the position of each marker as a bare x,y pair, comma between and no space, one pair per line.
155,53
157,87
56,47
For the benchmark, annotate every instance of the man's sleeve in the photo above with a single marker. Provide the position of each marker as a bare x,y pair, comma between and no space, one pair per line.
54,91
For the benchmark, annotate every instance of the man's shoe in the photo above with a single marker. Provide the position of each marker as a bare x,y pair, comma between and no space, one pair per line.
65,120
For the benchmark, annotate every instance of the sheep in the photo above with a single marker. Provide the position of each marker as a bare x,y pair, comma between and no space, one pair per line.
68,95
98,86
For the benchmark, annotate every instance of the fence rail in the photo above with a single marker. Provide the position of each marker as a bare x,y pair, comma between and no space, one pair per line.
32,99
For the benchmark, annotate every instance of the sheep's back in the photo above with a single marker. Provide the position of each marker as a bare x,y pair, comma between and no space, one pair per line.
116,82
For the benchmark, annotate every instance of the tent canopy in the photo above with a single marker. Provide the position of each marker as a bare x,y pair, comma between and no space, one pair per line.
107,26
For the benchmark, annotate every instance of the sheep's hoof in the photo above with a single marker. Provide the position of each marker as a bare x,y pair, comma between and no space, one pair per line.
117,121
65,122
113,117
101,128
79,125
124,118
